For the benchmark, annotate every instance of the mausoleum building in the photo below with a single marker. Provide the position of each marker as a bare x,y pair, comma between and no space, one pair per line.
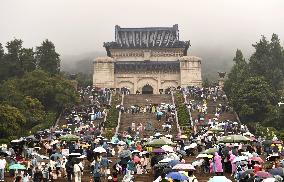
147,60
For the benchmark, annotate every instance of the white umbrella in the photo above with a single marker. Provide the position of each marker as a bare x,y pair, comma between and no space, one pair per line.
168,136
173,156
167,148
166,160
135,151
240,158
157,134
183,137
99,150
193,145
204,156
219,179
121,143
128,136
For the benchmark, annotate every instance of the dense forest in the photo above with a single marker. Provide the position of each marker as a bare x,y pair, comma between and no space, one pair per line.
255,87
33,92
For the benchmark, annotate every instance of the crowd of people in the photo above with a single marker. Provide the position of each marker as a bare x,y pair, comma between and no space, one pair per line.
77,149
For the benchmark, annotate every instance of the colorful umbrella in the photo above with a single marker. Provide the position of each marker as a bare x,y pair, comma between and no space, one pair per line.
204,156
277,171
69,137
263,174
177,176
17,167
159,142
219,179
166,160
167,148
173,162
158,150
121,143
210,151
56,155
125,153
234,139
100,150
184,167
136,159
257,159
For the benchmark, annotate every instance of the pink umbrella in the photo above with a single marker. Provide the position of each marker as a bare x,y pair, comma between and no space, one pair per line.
184,167
263,174
136,159
257,159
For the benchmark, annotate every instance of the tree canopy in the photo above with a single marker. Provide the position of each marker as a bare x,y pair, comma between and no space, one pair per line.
47,58
32,92
255,87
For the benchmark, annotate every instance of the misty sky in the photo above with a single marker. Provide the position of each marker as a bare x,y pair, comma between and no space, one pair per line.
79,26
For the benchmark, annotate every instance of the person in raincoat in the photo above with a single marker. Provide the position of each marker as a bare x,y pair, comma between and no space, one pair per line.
231,159
218,164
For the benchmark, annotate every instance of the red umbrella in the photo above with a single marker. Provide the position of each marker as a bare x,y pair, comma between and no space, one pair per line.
257,159
136,159
263,174
277,142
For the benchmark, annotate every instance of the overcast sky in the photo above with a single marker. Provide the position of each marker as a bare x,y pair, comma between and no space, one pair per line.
79,26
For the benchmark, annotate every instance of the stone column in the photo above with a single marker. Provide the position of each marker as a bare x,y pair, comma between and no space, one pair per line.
190,71
103,76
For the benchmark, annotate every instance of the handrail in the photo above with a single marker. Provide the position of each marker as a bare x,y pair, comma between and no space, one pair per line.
109,103
178,126
119,116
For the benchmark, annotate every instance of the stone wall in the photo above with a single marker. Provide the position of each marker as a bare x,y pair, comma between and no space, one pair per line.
136,81
189,75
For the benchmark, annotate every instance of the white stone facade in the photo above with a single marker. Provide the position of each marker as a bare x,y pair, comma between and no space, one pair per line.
154,57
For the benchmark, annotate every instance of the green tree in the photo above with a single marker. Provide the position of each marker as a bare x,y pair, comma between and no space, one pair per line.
28,59
54,92
253,100
268,61
47,58
2,63
238,74
12,63
11,121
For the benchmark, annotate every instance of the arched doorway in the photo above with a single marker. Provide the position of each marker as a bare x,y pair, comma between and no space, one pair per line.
147,89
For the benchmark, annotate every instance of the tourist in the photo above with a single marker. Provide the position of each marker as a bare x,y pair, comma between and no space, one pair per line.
18,179
218,164
77,172
69,169
2,167
38,177
96,171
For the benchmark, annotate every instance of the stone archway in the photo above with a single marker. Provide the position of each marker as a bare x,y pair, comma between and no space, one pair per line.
147,89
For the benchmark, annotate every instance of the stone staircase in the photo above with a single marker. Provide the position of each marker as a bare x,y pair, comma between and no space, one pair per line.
141,100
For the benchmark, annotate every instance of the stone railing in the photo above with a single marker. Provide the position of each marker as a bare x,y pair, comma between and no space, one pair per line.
178,126
119,116
109,103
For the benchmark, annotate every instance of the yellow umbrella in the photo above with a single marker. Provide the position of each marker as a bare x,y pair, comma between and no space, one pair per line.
86,145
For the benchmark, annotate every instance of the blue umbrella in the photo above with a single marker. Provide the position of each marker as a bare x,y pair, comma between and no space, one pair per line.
56,155
173,162
17,167
159,113
177,176
277,171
